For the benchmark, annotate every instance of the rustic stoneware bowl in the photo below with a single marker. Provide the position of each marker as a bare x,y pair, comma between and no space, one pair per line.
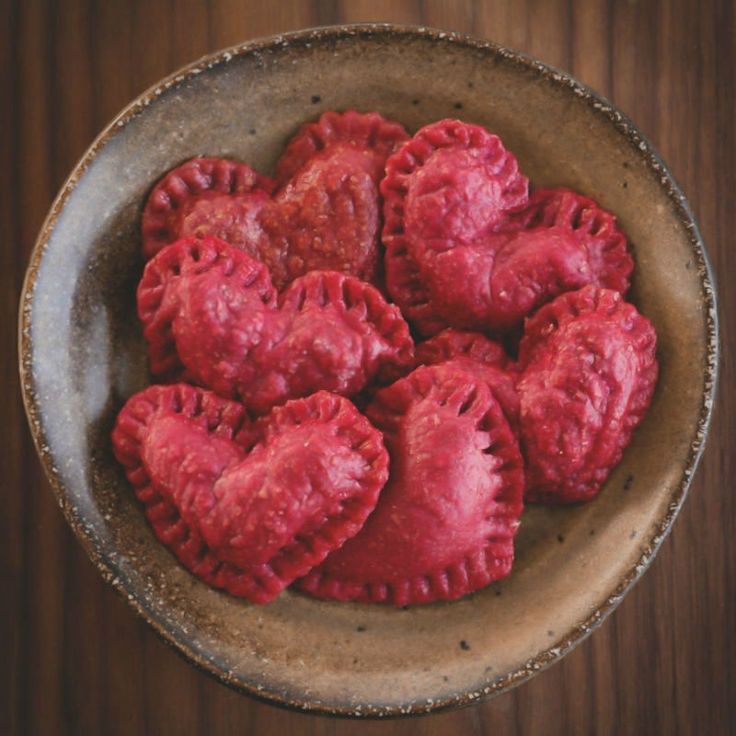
83,355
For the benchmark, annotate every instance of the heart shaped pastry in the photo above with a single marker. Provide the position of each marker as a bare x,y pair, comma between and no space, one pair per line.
464,247
445,522
210,308
590,225
588,375
372,135
484,358
249,508
322,213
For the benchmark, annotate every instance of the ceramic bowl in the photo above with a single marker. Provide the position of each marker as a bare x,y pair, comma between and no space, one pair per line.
82,355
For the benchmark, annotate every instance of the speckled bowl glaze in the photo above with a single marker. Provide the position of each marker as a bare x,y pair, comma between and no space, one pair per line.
82,354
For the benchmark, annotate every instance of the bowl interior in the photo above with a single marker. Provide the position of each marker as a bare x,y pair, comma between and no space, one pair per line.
84,355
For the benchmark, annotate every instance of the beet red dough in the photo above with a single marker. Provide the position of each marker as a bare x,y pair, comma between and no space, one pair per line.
469,184
375,137
257,289
589,372
445,522
323,213
484,358
456,213
210,308
249,508
595,228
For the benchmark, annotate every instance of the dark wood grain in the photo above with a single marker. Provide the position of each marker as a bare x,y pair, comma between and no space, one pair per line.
76,660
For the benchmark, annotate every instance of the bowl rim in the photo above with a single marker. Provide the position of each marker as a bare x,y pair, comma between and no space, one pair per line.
99,553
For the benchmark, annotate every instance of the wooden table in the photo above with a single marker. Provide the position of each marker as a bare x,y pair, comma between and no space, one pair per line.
76,660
